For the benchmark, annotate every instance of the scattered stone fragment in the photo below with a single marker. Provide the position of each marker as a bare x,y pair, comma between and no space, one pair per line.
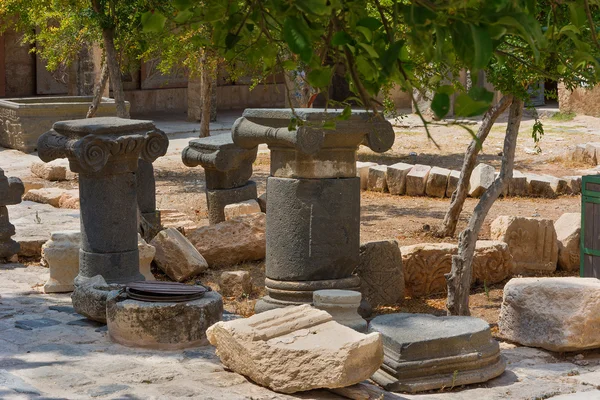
381,274
425,352
574,183
568,231
518,185
176,219
453,179
482,177
241,208
377,181
578,153
425,265
437,182
28,185
45,196
562,185
416,180
262,202
147,253
590,155
52,171
61,253
342,305
235,283
69,199
557,314
294,349
89,297
395,176
162,325
542,186
176,256
231,242
362,171
531,241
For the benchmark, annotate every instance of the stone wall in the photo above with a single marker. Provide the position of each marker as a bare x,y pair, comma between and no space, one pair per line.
579,101
19,69
157,100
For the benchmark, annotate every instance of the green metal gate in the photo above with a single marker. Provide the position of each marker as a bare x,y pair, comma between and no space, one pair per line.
590,227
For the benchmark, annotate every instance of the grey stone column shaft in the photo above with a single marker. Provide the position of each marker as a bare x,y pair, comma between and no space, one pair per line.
146,192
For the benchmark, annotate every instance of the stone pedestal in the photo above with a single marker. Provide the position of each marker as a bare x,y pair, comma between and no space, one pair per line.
342,305
313,221
11,191
61,253
227,168
105,153
162,325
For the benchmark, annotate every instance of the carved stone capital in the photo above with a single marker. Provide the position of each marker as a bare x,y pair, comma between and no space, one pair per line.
103,145
11,190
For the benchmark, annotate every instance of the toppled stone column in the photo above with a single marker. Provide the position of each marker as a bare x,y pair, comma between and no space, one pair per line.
11,191
105,152
296,349
228,169
313,221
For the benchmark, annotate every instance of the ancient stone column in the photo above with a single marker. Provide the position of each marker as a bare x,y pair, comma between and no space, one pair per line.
228,169
313,220
11,191
105,152
146,192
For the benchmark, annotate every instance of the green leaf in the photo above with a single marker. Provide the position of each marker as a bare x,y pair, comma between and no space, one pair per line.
483,46
316,7
369,22
293,124
153,21
369,49
481,94
346,113
391,55
231,39
329,124
183,16
296,38
182,5
288,65
213,13
320,78
447,89
465,106
341,38
440,105
366,32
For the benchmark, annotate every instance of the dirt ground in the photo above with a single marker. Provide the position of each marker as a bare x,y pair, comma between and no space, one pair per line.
410,220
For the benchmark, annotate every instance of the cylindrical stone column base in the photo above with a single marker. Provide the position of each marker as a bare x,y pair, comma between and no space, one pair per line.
120,267
217,199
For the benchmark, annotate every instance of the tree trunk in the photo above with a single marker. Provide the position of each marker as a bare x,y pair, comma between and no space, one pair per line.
459,196
115,72
98,90
459,278
207,85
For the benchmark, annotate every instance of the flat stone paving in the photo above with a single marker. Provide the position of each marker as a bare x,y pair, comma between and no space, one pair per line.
48,351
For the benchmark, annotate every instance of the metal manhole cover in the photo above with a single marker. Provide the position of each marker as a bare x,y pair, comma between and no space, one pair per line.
157,291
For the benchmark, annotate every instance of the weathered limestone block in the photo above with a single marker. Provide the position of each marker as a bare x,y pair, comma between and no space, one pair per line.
49,195
482,177
294,349
437,182
11,191
518,185
69,199
557,314
262,202
147,252
574,183
425,265
577,153
425,352
380,271
61,253
53,171
162,325
89,297
542,186
568,234
416,180
241,208
532,242
235,283
362,171
591,153
453,179
176,219
342,305
231,242
377,181
176,256
395,176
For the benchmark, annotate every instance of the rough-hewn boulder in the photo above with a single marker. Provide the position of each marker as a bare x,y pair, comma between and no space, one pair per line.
176,256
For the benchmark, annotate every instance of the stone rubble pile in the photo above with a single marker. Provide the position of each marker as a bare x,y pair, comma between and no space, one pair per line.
423,180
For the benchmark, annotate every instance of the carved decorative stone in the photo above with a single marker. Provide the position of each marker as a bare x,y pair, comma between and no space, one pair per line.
313,221
61,253
11,192
105,152
228,169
